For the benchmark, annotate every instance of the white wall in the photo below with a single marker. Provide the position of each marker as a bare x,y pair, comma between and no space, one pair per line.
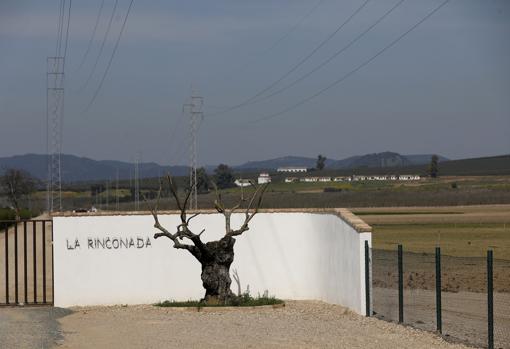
292,255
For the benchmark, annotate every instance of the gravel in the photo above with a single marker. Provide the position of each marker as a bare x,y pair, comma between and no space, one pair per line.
30,327
300,324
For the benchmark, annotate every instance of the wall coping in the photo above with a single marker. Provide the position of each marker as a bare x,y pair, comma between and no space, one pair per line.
350,218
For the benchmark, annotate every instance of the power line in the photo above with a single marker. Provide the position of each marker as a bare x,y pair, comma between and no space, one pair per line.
173,137
360,66
281,39
85,55
60,26
67,29
111,57
105,37
328,60
293,28
299,63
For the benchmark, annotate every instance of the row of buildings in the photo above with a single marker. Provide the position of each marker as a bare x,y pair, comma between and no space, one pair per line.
354,178
264,178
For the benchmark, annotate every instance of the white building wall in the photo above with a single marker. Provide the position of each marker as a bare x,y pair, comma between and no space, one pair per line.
292,255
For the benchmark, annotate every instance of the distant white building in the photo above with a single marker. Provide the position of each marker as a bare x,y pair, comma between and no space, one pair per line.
324,179
264,178
291,179
408,177
291,169
243,182
309,179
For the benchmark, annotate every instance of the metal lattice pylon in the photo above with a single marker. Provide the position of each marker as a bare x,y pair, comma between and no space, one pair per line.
54,124
194,109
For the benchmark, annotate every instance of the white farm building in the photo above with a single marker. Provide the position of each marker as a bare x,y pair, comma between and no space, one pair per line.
243,182
292,169
264,178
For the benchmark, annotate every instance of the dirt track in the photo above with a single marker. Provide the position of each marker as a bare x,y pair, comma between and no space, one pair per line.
464,314
464,296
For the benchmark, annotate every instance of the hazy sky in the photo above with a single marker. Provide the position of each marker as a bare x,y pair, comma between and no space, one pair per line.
444,88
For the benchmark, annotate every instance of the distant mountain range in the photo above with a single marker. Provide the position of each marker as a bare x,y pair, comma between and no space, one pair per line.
381,160
76,168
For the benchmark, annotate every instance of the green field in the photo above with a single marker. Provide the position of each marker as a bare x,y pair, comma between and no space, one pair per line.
469,231
460,240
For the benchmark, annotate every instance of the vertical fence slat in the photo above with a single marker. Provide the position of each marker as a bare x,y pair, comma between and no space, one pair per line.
367,279
490,302
400,286
44,259
25,267
6,241
52,268
16,300
21,230
439,320
34,256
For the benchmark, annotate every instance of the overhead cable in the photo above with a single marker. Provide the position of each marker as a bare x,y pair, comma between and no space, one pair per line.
360,66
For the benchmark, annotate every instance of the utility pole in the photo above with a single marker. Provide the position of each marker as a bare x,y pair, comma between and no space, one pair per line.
117,191
107,194
194,109
137,183
54,131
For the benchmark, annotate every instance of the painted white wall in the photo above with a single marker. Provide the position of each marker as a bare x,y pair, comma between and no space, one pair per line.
292,255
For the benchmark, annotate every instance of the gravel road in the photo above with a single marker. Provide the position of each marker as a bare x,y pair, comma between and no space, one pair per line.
301,324
30,327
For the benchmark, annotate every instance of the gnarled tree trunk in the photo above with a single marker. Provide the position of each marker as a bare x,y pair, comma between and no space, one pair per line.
216,270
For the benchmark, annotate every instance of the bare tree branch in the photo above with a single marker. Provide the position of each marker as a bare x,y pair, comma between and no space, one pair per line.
218,204
258,194
182,229
235,275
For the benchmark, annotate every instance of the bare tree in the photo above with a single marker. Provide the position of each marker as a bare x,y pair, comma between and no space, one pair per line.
215,257
16,185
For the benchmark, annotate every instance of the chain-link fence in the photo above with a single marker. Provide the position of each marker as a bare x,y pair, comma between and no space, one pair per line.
466,299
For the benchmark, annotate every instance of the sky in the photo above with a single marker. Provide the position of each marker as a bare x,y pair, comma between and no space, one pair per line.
443,88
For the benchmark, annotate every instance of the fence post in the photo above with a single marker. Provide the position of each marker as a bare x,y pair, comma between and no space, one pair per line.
25,266
16,300
400,286
6,241
439,320
34,257
490,302
367,279
44,259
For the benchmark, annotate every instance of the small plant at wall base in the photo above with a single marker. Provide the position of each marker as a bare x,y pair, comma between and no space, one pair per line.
243,300
215,257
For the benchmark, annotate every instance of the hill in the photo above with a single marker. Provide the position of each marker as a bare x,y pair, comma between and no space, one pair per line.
76,168
377,160
484,166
